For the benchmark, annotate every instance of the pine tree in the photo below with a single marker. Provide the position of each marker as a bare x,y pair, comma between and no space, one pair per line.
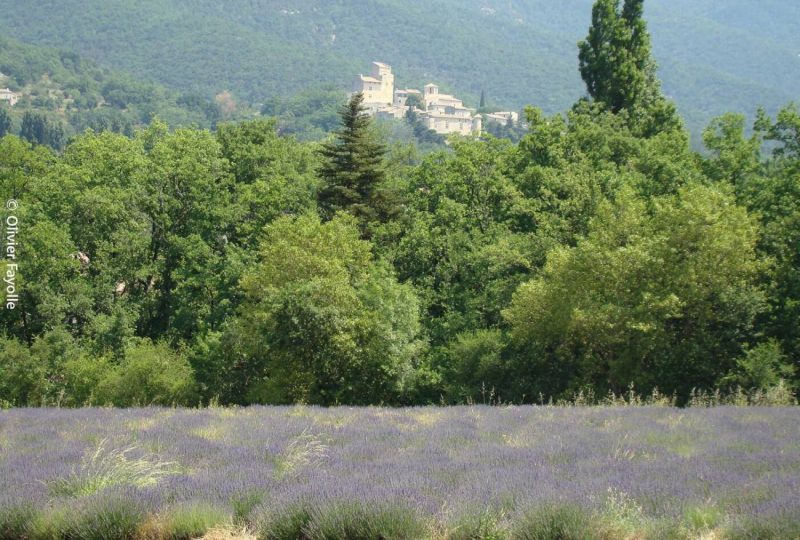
483,100
353,168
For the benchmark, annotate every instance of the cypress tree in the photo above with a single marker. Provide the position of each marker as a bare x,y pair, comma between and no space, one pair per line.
5,122
34,128
352,169
617,66
37,129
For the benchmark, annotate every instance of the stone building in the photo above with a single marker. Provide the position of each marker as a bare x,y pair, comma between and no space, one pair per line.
443,113
8,96
503,117
378,87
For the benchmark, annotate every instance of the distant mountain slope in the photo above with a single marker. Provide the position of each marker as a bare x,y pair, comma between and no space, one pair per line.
715,56
79,94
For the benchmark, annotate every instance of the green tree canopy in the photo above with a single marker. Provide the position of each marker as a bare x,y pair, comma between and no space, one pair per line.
321,321
662,298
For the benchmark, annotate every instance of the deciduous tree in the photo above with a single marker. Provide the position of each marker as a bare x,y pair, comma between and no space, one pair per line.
321,321
663,298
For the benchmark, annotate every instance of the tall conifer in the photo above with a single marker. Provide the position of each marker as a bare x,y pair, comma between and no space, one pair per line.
353,167
617,66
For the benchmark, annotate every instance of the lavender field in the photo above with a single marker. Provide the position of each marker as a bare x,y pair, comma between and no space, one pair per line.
459,472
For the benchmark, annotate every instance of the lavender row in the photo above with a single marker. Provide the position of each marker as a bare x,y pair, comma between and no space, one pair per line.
441,463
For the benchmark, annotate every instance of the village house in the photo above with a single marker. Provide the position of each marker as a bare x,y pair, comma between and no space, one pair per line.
8,96
503,117
446,114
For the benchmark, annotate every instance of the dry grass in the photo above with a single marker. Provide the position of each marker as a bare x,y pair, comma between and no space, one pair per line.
107,466
229,533
304,451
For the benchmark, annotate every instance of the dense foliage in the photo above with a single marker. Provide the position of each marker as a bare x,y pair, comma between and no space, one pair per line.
585,256
715,57
249,267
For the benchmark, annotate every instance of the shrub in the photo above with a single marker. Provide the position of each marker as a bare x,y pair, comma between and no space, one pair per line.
243,505
703,517
477,362
150,374
283,524
761,367
551,522
22,377
16,521
622,516
778,528
486,525
51,523
342,521
322,321
82,377
365,522
104,518
184,522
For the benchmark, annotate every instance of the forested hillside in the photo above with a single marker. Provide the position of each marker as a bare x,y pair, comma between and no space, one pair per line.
714,57
61,94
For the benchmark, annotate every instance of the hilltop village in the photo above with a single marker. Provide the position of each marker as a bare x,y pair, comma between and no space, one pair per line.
442,113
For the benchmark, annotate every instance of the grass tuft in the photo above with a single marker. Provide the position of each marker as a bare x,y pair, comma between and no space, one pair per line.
106,467
304,451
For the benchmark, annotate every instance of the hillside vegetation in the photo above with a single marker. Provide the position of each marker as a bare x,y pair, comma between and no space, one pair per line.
713,57
70,94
